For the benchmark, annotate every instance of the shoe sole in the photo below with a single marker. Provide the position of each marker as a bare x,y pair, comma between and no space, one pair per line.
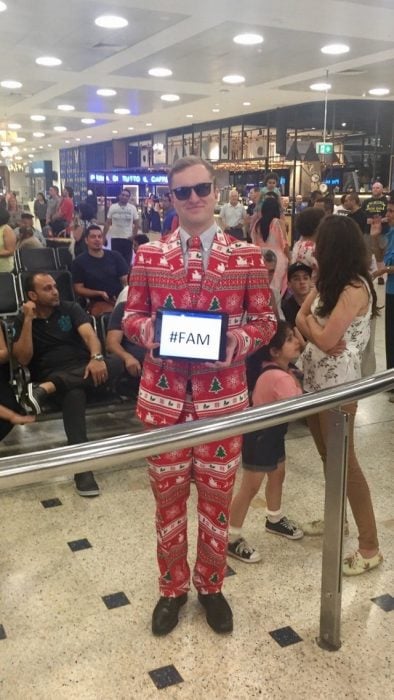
245,561
282,534
31,401
93,492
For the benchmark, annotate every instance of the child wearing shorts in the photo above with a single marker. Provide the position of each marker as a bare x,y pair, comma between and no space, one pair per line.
272,377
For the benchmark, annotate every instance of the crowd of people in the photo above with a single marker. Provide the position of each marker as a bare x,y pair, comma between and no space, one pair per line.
299,320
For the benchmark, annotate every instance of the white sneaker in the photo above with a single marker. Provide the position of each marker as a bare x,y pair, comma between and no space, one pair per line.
241,550
355,564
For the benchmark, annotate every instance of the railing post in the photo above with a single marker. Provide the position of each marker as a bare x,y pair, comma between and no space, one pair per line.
334,517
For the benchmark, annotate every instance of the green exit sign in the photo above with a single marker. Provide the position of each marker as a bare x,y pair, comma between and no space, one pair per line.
324,148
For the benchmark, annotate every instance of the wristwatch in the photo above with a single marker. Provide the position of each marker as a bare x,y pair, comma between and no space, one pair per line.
97,356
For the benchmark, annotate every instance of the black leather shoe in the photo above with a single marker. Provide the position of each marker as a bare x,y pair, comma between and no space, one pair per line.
165,614
218,612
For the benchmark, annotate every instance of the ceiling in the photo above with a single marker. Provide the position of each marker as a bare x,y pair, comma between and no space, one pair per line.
194,40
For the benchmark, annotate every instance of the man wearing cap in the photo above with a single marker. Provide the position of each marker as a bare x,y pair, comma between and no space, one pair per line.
299,277
25,226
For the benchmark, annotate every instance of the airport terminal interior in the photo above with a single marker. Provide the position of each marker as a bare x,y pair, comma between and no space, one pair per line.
103,95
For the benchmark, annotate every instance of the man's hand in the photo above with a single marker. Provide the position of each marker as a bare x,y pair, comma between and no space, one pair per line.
230,351
103,295
149,335
97,370
133,366
17,419
29,309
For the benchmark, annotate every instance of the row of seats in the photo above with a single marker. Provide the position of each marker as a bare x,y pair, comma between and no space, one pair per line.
12,289
36,259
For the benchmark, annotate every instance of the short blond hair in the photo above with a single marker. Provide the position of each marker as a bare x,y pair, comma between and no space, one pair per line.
188,162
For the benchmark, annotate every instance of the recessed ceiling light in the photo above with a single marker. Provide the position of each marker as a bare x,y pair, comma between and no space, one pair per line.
115,131
248,39
11,84
130,128
343,124
148,124
66,108
3,6
14,125
246,104
320,87
105,92
49,145
233,79
48,61
60,128
160,72
215,109
89,137
31,155
121,110
38,134
190,116
88,120
379,92
33,149
77,139
18,157
335,49
111,22
170,98
41,147
20,139
37,118
67,141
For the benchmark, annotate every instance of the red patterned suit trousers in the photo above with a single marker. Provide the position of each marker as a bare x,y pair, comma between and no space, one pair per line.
213,467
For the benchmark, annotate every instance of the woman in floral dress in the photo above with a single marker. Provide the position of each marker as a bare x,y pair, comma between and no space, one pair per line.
335,318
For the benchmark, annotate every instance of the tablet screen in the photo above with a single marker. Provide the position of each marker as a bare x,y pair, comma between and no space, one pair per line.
191,335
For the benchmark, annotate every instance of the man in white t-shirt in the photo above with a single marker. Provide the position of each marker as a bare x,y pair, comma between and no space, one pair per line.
232,216
121,224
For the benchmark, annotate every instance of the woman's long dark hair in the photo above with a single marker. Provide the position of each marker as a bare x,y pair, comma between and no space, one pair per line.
342,257
269,210
254,362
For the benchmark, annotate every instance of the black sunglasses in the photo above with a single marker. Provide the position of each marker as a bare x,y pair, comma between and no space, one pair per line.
203,189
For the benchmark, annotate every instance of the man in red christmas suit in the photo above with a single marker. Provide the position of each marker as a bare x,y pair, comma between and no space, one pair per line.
233,279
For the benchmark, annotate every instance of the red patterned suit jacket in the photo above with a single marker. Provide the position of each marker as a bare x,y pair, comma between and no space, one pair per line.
236,282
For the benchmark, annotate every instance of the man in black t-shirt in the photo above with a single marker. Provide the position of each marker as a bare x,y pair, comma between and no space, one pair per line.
99,275
376,209
57,342
132,355
352,204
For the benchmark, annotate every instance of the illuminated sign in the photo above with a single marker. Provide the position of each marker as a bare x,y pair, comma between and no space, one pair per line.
324,148
38,171
129,178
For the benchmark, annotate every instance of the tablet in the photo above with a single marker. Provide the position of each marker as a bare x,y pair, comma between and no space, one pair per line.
191,335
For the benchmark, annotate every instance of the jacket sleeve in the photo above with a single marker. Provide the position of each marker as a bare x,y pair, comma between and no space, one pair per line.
259,319
138,307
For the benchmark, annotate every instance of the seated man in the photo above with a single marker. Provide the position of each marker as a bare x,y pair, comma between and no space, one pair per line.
26,225
57,342
117,343
99,275
299,278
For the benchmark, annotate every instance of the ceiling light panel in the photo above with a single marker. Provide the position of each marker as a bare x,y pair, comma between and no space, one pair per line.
335,49
37,118
88,120
248,39
160,72
233,79
106,92
66,108
170,98
111,22
121,110
320,87
379,91
48,61
11,84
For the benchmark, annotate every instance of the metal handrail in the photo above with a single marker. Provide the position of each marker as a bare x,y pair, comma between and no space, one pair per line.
123,449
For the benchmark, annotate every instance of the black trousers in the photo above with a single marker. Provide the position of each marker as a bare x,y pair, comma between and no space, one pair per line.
389,323
71,393
7,399
123,246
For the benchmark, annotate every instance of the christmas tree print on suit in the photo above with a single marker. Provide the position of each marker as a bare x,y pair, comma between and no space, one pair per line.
215,386
163,382
215,304
169,302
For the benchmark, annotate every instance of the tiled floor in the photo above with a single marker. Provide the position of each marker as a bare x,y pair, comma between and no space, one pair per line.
78,585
